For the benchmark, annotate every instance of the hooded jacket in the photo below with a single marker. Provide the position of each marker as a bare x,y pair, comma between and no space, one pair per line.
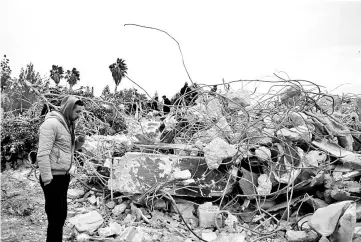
57,141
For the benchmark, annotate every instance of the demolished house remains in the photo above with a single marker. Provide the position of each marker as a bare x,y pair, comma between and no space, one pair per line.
282,164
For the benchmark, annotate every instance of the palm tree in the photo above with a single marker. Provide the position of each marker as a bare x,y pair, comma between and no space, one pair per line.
118,69
56,73
72,77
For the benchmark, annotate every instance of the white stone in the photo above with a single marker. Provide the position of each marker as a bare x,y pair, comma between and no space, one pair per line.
216,151
314,158
92,200
325,220
82,237
263,153
206,214
111,204
88,222
183,175
264,185
209,236
119,209
105,232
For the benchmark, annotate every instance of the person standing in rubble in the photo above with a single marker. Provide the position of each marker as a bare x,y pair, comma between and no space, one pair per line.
154,105
57,144
184,93
167,104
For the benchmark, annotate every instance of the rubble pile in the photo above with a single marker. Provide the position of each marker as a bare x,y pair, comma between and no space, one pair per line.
231,166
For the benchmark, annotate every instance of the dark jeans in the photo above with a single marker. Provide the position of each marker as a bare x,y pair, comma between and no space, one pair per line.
56,206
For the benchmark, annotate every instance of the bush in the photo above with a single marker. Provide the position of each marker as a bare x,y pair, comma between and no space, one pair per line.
19,136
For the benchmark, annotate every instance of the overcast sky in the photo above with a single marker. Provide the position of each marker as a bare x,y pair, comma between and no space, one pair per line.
316,41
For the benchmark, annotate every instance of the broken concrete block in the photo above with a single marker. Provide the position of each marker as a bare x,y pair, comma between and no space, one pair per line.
113,229
88,222
346,225
183,175
105,232
110,204
314,158
216,151
186,209
75,193
206,215
135,172
349,158
231,221
209,236
297,119
119,209
128,234
130,218
99,145
301,236
263,153
82,237
324,220
264,185
238,99
92,200
298,133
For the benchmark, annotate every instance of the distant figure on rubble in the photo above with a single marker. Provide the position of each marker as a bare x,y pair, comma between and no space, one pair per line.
214,88
154,105
57,144
184,93
166,106
193,95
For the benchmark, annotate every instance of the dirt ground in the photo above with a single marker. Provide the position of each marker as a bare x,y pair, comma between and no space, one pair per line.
23,216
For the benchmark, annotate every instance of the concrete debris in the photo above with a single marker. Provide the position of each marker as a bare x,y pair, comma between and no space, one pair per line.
135,172
314,157
119,209
75,193
295,134
206,215
209,236
113,229
301,236
264,185
238,99
324,221
263,153
82,237
182,175
92,200
349,158
216,151
297,119
88,222
230,237
110,204
99,145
